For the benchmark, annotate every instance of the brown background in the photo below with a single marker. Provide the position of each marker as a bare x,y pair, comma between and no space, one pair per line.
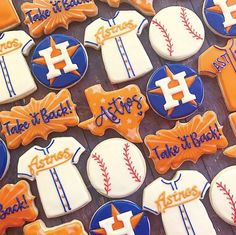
208,165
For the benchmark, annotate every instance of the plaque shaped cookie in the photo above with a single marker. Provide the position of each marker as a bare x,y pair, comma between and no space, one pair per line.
186,142
59,61
4,159
17,206
119,217
121,110
44,16
175,91
54,113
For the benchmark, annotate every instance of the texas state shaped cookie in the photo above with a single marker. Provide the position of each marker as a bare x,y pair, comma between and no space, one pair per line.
16,206
175,91
220,17
8,15
121,110
74,227
123,54
178,200
59,61
44,16
119,217
4,159
54,113
60,185
185,142
176,33
116,168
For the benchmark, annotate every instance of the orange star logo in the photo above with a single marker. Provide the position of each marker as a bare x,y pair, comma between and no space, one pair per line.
173,83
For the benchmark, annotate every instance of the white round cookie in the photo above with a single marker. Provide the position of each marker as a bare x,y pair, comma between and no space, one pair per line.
116,168
223,195
176,33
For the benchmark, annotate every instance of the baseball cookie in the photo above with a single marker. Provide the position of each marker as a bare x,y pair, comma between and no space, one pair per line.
116,168
175,91
179,202
118,218
176,33
4,159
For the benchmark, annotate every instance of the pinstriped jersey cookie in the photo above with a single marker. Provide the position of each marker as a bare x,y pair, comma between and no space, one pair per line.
176,33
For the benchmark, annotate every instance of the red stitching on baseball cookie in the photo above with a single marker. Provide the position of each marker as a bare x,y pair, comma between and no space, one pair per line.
230,198
166,35
188,26
105,173
129,164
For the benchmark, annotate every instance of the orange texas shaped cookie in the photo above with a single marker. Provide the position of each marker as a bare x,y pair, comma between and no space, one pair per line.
44,16
16,206
121,110
186,141
38,227
54,113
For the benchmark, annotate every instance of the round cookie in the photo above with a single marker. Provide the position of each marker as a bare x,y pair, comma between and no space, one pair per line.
59,61
119,217
176,33
4,159
116,168
223,195
175,91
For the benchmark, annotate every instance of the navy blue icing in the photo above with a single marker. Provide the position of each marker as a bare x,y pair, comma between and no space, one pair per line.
4,159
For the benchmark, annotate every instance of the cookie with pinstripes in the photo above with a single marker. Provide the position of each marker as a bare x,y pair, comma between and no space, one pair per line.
116,168
176,33
4,159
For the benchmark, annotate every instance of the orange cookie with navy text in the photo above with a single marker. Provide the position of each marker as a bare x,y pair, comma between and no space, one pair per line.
121,110
186,142
44,16
74,227
16,206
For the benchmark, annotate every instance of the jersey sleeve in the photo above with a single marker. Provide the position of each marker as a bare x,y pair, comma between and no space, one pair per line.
140,21
26,41
76,148
90,35
201,182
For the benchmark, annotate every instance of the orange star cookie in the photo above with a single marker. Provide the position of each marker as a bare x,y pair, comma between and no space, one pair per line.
121,110
186,141
16,206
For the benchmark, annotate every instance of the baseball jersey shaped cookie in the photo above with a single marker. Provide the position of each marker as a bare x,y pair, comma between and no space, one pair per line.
123,54
176,33
4,159
179,203
119,218
220,62
60,185
116,168
15,83
175,91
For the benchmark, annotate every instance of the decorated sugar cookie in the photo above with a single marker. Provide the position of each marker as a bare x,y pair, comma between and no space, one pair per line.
220,17
75,227
179,202
8,15
59,61
175,91
116,168
119,217
15,76
176,33
121,110
54,113
223,195
220,62
44,16
4,159
123,54
186,142
60,185
17,206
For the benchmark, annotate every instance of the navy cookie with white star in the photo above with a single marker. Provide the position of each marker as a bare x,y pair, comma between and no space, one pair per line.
175,91
119,217
59,61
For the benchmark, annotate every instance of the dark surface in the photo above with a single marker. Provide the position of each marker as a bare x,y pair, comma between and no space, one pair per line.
209,165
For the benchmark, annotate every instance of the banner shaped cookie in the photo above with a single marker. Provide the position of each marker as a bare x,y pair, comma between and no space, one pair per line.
75,227
186,142
39,118
16,206
44,16
121,110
